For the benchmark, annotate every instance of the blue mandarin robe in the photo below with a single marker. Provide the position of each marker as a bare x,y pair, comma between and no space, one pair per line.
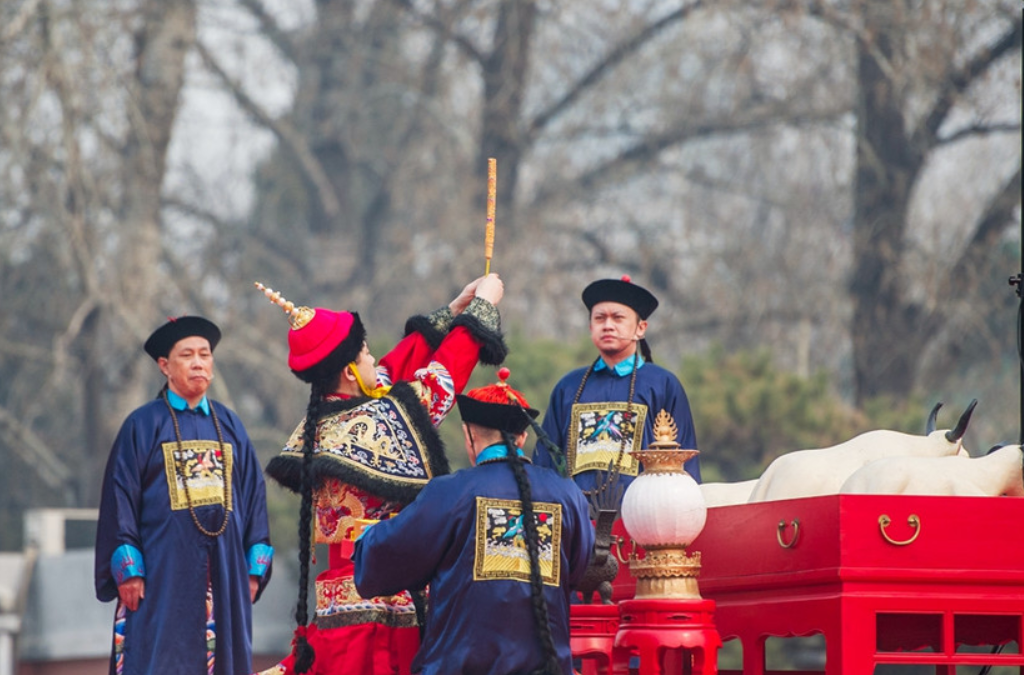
591,433
460,536
140,511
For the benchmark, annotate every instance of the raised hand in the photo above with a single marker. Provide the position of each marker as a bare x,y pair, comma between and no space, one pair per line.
463,299
490,288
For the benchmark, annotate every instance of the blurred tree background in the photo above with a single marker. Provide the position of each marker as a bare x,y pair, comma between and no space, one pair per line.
824,194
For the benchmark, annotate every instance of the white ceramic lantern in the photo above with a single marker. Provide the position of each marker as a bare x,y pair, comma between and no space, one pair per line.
665,508
664,511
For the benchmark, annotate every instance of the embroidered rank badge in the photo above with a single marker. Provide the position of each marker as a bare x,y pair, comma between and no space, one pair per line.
203,467
599,431
377,437
501,542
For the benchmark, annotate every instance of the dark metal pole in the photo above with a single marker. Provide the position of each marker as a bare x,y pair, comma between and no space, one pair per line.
1019,279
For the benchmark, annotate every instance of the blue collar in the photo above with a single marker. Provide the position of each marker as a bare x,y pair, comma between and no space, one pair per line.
178,403
496,451
623,367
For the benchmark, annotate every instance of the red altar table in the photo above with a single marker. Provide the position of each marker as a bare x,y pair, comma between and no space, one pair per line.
592,630
670,636
886,579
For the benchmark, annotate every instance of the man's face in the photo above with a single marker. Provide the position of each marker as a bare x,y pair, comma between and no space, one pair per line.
615,329
365,363
188,368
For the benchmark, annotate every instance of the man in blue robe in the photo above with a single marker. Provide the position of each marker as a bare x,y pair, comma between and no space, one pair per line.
182,542
600,414
500,545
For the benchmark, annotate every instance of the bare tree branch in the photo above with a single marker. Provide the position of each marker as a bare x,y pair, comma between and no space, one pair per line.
617,55
194,210
978,130
991,225
76,176
445,29
291,140
19,22
37,455
958,82
270,29
845,22
651,146
254,239
63,341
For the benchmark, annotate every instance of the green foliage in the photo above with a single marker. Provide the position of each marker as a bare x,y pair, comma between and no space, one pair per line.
747,412
536,366
908,415
283,518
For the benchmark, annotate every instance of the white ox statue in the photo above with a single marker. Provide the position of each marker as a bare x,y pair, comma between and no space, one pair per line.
726,494
1000,472
822,471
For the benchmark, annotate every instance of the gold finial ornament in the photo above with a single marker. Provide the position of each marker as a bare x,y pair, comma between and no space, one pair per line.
665,430
664,455
297,316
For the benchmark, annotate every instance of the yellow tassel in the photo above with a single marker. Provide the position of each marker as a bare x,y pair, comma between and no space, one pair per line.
376,392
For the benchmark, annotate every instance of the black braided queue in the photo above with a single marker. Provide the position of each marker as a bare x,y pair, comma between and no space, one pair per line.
181,473
303,651
550,664
613,474
557,454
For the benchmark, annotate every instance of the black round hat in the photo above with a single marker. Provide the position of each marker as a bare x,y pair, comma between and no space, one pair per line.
622,291
496,406
501,416
164,338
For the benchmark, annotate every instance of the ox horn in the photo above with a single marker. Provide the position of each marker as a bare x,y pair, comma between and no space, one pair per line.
954,435
932,417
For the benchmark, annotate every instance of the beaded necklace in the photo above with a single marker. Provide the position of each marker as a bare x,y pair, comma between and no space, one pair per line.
180,472
612,473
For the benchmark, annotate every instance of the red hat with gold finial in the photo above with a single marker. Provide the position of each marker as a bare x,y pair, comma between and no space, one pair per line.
318,333
496,406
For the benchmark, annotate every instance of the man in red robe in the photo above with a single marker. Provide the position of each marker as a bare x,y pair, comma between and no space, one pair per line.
367,446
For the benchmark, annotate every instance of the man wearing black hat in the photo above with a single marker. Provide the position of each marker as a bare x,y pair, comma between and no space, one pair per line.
182,541
500,549
600,414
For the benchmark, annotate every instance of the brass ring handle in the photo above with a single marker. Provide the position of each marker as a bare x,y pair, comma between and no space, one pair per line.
884,521
796,533
617,543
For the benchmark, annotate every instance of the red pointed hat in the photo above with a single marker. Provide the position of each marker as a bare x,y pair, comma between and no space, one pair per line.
496,406
325,332
622,291
318,333
163,339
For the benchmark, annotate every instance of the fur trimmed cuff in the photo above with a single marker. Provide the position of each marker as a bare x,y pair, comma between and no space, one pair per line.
433,327
482,320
